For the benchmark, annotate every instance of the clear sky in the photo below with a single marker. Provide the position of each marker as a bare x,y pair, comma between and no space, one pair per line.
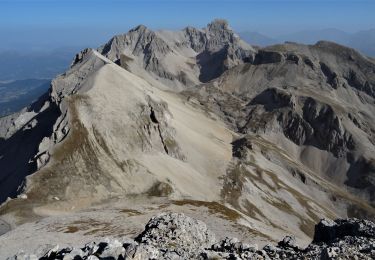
47,23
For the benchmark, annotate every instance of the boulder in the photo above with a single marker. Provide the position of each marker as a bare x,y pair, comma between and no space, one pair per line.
329,230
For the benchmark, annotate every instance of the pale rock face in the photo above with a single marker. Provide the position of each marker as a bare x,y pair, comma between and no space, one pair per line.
181,59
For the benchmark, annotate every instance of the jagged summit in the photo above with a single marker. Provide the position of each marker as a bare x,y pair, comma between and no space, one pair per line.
180,59
218,25
139,28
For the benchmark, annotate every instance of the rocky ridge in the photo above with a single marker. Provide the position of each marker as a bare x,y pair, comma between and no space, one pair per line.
180,59
176,236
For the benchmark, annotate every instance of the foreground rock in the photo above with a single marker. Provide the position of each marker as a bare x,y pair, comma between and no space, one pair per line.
176,236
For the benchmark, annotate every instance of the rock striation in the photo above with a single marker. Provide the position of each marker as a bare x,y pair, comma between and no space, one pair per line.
176,236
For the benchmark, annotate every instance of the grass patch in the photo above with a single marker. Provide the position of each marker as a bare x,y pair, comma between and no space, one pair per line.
131,212
213,207
71,229
90,227
160,189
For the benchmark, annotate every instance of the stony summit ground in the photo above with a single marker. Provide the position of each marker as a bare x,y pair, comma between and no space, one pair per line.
176,236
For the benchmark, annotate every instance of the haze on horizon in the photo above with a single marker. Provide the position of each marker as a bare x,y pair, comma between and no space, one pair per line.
46,25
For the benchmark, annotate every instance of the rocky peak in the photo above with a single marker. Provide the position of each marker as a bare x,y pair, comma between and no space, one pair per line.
217,48
139,28
219,34
218,25
139,41
215,36
80,56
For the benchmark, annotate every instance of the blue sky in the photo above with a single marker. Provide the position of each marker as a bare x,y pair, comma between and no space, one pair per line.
48,23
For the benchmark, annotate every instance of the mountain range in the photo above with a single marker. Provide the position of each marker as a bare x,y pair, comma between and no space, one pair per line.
363,41
257,142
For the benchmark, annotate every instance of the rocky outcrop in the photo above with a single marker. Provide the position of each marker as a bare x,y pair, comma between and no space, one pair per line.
304,120
328,230
266,57
359,77
176,236
154,131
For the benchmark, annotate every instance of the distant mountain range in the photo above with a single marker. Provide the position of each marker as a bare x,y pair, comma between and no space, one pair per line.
27,74
364,41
